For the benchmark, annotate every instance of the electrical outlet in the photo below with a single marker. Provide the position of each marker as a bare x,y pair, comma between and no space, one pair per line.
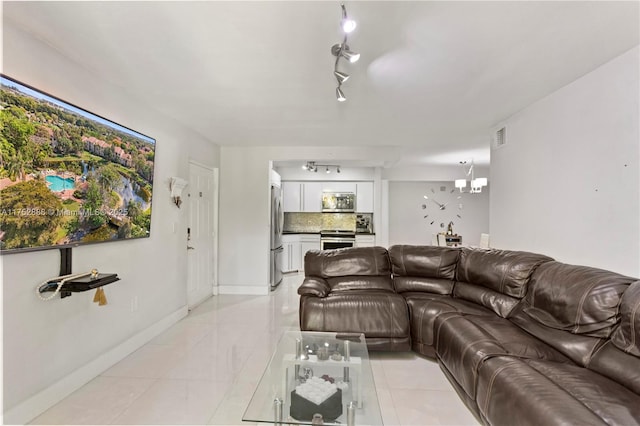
134,303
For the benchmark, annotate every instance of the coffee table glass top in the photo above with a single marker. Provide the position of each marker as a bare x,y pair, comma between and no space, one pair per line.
317,373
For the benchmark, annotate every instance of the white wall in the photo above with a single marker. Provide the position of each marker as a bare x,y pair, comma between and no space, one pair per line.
47,343
567,183
407,224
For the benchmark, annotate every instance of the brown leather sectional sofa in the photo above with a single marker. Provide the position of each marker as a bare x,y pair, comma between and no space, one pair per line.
524,340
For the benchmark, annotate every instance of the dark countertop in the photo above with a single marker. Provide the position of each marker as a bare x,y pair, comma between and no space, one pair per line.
318,232
300,232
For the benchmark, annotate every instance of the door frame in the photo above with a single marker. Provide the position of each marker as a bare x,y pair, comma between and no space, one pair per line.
215,214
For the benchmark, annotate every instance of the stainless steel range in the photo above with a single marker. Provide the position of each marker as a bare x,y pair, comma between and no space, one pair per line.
337,238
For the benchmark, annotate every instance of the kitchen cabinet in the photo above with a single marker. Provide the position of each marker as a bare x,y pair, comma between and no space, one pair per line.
308,242
365,240
338,186
295,247
311,196
291,197
291,252
364,197
301,196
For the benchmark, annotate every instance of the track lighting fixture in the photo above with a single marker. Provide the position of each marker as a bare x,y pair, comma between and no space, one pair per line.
341,50
311,166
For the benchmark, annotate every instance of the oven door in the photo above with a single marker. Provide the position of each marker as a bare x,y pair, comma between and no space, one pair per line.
336,243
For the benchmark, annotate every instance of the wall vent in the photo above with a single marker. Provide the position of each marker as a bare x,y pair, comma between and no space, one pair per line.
500,137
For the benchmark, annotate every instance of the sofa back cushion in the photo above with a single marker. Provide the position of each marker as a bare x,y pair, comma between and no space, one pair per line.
495,279
504,271
423,268
578,299
357,268
627,336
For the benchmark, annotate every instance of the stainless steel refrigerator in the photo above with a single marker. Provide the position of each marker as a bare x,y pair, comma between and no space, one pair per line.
277,222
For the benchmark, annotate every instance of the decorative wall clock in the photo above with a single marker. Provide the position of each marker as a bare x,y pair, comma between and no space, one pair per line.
443,206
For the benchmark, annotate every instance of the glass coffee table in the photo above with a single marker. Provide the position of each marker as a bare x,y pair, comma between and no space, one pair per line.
313,374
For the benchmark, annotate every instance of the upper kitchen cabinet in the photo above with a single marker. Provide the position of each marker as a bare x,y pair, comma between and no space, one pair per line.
291,197
302,196
311,196
337,186
364,197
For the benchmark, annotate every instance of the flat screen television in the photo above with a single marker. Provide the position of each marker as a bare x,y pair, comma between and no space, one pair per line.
67,176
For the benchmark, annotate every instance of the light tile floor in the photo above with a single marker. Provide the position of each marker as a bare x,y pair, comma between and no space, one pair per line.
205,368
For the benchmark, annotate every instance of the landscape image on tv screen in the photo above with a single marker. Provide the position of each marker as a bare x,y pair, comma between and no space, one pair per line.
67,176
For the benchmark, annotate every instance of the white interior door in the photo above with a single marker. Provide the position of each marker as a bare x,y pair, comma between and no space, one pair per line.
202,233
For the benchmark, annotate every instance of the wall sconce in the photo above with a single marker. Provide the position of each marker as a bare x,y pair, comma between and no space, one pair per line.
176,185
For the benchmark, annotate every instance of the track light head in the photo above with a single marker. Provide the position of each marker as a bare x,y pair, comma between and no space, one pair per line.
348,25
340,76
343,50
339,95
327,170
338,169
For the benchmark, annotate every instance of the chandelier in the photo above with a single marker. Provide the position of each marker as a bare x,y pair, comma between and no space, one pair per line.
475,184
341,50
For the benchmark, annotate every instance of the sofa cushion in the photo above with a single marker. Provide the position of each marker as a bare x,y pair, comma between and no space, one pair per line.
627,335
463,342
577,299
499,303
424,308
374,313
532,392
351,268
428,268
579,348
358,282
503,271
427,285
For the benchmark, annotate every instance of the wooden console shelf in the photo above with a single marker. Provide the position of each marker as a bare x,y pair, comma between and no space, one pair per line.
88,283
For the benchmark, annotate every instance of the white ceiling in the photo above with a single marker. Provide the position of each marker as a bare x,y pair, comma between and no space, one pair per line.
433,78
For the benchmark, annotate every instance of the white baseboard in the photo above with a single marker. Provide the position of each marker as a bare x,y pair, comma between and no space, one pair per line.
244,289
37,404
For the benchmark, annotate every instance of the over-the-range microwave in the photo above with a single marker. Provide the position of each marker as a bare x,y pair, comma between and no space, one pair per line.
338,202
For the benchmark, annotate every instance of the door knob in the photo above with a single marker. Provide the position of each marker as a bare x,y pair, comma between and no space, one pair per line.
190,248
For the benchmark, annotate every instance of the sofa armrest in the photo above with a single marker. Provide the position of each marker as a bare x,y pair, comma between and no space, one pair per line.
314,286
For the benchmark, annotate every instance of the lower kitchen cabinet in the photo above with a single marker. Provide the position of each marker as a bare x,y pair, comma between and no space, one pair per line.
365,240
295,247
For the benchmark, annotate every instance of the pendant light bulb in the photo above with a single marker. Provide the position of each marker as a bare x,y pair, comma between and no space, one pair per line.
339,95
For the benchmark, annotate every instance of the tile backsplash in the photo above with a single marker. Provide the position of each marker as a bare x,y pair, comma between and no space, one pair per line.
316,222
